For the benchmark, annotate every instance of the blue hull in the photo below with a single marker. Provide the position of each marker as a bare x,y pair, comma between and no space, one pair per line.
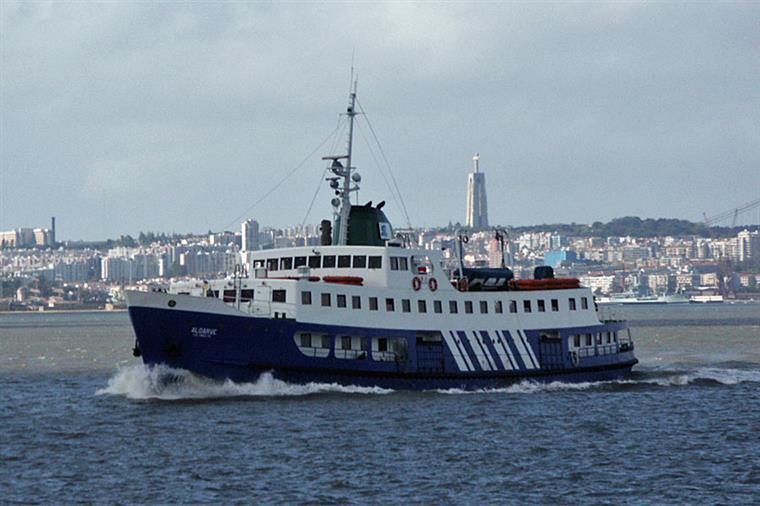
241,348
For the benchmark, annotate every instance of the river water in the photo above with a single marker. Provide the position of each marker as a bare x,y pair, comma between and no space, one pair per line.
81,420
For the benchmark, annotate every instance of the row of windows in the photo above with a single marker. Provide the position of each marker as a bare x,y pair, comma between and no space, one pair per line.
589,339
322,262
341,300
379,348
332,261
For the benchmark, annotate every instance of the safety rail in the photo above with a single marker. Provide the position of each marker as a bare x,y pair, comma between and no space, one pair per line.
314,351
352,354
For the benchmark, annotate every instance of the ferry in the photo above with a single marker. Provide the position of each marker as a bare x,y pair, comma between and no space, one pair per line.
368,308
629,298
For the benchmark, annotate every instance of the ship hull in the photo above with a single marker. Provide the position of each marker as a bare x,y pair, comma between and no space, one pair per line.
241,348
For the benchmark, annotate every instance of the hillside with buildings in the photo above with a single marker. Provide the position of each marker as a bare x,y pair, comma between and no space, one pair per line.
76,275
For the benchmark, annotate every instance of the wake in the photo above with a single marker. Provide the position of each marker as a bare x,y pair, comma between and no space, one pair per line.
703,375
165,383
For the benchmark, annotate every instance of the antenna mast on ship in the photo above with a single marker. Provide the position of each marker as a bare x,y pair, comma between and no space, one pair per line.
342,202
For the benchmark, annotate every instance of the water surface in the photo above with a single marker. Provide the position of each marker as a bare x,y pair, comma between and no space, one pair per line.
81,420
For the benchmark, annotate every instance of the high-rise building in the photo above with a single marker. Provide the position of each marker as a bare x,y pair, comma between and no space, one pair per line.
747,245
250,235
477,206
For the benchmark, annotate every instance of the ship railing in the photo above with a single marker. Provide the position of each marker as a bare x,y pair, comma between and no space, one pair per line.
607,349
599,349
384,356
314,351
352,354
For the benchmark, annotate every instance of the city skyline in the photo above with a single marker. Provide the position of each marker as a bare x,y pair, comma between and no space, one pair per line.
135,117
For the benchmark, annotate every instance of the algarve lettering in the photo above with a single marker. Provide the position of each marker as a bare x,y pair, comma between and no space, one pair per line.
203,332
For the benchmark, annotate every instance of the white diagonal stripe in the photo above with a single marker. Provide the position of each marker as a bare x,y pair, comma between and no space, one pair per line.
476,350
499,347
461,364
530,350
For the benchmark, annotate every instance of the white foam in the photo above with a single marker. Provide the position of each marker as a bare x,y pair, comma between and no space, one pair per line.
722,376
161,382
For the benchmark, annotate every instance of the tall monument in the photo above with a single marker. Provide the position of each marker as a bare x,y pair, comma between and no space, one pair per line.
477,206
249,232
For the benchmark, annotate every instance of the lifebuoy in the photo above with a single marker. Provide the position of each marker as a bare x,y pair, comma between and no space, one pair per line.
433,284
416,283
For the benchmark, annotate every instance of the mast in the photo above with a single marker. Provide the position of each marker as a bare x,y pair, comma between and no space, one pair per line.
345,209
342,181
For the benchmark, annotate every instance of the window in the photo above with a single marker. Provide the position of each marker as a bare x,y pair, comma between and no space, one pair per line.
598,338
315,261
305,340
286,263
437,306
394,263
326,299
588,340
609,337
526,306
328,261
306,298
498,307
325,341
345,342
483,306
555,304
246,295
298,262
403,264
272,264
453,307
577,340
229,296
542,306
375,262
571,301
468,306
373,303
406,306
382,344
512,306
584,303
344,261
389,305
278,295
360,261
340,300
421,306
356,302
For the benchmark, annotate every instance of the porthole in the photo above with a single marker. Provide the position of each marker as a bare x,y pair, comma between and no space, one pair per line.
172,303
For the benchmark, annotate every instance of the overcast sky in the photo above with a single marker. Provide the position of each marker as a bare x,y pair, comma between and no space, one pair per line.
126,116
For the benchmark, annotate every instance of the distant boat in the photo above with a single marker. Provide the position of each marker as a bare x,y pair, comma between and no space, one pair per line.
707,299
628,298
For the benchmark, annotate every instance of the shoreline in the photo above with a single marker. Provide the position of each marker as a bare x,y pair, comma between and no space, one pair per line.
59,311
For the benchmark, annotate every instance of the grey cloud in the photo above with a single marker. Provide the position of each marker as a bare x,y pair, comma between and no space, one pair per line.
184,114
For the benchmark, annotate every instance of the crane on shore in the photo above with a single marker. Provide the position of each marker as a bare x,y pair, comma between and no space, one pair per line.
731,213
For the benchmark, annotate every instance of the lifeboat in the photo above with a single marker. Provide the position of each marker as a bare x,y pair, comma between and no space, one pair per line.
310,278
545,284
344,280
